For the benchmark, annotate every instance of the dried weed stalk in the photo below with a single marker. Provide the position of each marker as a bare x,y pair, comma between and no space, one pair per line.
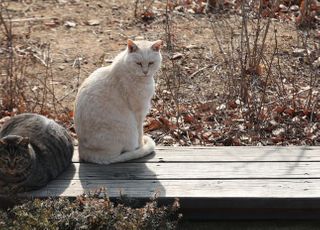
27,81
171,74
245,56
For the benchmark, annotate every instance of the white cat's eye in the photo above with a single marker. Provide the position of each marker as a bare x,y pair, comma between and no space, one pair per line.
139,63
151,63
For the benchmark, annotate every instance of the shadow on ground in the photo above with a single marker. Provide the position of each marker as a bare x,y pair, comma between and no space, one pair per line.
251,225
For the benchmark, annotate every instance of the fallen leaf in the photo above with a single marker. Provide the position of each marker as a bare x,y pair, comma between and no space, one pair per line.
279,109
277,139
188,118
260,69
167,123
147,15
153,125
71,114
206,135
289,111
176,56
232,104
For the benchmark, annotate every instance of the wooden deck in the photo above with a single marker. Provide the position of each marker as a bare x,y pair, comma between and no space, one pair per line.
215,182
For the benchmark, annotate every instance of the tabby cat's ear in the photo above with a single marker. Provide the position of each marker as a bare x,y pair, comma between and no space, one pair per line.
157,45
132,47
24,141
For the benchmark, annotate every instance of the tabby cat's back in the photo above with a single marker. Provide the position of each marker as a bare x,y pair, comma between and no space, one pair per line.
33,151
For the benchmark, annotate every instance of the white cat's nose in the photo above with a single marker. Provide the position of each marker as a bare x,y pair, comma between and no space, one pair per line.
145,72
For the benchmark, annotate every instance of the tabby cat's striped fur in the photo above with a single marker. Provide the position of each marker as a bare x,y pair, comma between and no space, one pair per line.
33,151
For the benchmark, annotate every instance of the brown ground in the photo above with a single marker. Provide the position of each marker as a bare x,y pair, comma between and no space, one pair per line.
198,100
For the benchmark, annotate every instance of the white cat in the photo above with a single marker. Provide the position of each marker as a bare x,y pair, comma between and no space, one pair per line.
112,104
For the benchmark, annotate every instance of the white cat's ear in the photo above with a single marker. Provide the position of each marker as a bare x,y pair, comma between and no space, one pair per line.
157,45
132,47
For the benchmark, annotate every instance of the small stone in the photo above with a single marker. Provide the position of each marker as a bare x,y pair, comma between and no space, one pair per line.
244,138
283,8
221,107
93,22
298,52
70,24
61,67
294,8
296,119
316,63
273,122
192,47
196,142
168,140
108,60
191,11
278,132
179,8
138,38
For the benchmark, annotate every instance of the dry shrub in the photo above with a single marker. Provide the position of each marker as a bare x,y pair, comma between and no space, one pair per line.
276,107
27,81
93,211
143,10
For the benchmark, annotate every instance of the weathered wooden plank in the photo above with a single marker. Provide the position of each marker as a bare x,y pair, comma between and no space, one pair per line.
237,189
198,170
230,154
215,182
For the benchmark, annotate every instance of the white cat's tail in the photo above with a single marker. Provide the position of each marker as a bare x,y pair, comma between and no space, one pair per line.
147,148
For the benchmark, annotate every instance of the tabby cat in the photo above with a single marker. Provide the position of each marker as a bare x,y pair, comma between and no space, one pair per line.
33,151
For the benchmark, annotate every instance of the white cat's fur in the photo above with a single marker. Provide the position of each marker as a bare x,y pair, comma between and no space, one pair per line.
112,103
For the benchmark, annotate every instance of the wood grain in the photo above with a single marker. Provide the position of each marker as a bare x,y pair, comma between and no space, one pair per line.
241,189
233,154
198,170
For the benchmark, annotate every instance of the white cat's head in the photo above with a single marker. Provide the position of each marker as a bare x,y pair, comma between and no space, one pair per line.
143,58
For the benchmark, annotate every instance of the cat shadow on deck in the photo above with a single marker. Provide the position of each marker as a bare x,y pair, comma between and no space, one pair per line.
132,182
54,188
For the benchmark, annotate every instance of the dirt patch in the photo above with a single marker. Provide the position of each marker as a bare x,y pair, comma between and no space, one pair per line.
201,96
